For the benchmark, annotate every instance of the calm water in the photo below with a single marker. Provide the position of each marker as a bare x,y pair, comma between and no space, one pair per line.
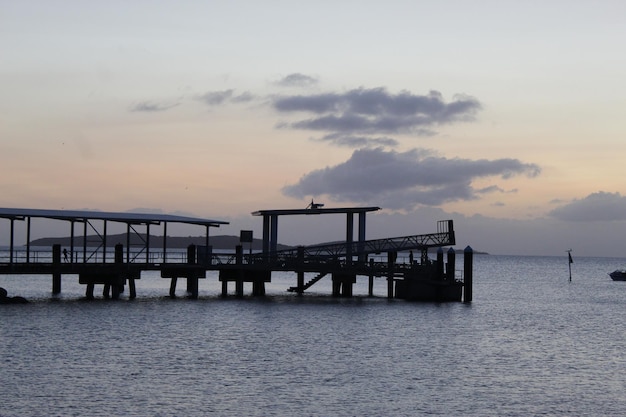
531,343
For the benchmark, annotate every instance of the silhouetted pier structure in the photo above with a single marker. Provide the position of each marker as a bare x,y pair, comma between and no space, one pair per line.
117,266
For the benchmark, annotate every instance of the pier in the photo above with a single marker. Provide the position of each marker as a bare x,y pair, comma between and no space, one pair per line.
115,266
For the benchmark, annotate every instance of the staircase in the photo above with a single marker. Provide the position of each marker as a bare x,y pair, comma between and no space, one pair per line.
310,283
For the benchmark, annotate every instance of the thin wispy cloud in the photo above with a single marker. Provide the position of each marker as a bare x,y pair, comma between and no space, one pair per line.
151,107
218,98
600,206
297,80
404,180
358,141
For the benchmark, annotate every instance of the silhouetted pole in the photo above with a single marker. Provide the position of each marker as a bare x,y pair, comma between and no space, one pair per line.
440,263
56,275
300,283
468,265
370,286
192,280
569,264
451,267
239,262
391,261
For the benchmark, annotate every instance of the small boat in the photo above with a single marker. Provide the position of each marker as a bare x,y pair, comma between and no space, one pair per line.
618,275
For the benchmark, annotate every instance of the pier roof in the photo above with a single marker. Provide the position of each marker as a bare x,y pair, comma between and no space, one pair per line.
283,212
82,215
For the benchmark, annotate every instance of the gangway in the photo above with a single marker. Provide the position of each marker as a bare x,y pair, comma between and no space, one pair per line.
443,237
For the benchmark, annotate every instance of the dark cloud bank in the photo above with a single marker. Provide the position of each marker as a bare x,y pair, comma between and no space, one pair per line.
600,206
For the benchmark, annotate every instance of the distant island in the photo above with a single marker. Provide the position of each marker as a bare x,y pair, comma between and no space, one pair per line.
221,242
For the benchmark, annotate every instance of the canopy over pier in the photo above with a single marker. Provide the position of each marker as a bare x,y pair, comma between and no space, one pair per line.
270,222
87,218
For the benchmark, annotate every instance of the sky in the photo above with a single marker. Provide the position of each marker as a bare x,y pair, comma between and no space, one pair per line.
505,116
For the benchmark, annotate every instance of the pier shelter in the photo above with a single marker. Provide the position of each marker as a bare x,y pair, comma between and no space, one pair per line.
97,264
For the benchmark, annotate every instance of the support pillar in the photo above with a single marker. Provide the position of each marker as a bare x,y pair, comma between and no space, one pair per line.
173,287
468,264
89,291
239,262
300,283
192,281
56,275
370,285
440,264
451,266
391,261
224,288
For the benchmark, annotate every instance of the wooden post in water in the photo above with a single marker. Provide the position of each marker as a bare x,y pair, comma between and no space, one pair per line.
56,275
468,264
391,261
239,262
370,284
451,266
440,263
119,260
192,280
300,283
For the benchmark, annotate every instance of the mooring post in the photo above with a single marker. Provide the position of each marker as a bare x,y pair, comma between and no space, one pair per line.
119,261
336,285
192,279
440,264
370,285
239,262
468,264
56,275
89,291
391,260
450,268
300,283
173,287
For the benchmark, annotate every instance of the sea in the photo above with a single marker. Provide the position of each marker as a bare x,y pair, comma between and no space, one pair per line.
531,343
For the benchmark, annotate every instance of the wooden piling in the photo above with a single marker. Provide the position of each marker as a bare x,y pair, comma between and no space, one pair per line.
468,265
56,275
192,280
239,280
451,265
300,284
370,284
173,287
391,260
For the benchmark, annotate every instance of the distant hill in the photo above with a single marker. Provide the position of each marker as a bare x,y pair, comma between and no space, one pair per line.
218,242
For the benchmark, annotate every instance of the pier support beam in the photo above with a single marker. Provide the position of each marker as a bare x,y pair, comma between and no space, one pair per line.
370,284
451,265
342,284
391,261
192,280
300,283
56,275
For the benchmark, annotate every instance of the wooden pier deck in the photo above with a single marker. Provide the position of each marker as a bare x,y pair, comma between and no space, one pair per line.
420,279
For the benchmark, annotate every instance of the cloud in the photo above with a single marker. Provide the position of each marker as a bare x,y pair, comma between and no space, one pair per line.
147,106
297,80
600,206
375,111
217,98
405,180
358,141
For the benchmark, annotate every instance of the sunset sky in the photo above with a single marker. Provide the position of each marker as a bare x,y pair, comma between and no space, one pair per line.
506,116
